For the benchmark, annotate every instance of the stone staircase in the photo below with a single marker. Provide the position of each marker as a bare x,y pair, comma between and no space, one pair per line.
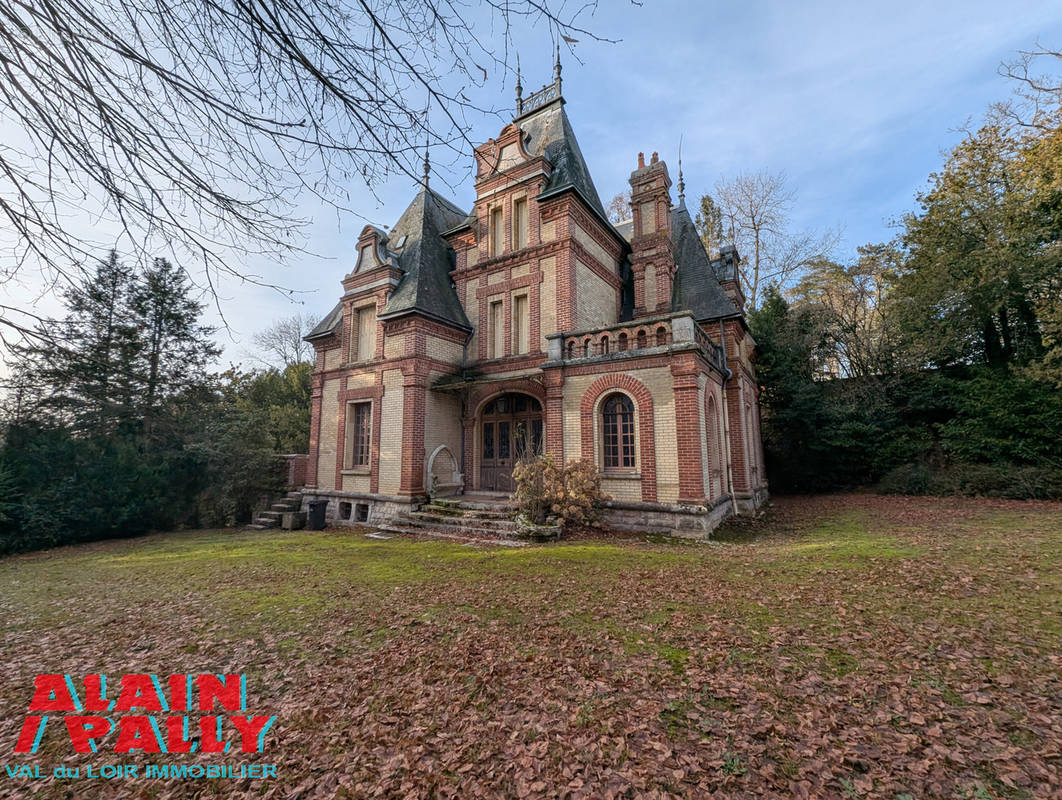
267,520
473,518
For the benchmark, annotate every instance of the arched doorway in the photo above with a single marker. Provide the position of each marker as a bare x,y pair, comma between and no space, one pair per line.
510,428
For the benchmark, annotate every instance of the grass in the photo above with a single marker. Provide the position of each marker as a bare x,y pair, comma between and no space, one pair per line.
835,623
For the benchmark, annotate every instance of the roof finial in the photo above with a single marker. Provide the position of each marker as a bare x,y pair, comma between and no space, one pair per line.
681,182
519,89
557,69
427,164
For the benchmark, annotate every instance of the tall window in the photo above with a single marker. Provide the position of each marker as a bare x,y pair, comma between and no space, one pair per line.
520,223
521,324
617,425
359,433
497,232
496,331
364,333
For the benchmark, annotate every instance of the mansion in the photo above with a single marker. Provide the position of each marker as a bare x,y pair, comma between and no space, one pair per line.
465,341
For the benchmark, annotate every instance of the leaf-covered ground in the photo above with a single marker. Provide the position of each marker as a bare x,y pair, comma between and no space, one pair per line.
845,646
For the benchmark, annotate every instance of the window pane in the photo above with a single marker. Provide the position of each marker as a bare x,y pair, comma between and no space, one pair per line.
366,333
521,324
361,434
488,440
617,426
519,224
503,440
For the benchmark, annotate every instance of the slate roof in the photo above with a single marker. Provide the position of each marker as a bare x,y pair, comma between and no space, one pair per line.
326,326
549,133
696,286
426,261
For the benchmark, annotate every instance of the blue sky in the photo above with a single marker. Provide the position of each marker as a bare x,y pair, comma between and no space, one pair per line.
854,101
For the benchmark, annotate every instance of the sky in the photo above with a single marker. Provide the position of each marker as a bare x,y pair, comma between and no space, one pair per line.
856,102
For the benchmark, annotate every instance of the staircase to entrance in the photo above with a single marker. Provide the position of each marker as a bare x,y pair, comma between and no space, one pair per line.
484,516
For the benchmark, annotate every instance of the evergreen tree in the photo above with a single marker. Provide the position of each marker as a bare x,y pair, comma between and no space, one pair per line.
79,369
176,348
709,222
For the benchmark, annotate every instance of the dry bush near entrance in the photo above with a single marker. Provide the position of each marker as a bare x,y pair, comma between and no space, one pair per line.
571,493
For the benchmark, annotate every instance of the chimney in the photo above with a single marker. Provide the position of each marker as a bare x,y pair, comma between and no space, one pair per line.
652,253
728,267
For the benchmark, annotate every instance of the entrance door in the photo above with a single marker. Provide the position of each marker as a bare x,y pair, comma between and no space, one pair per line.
510,430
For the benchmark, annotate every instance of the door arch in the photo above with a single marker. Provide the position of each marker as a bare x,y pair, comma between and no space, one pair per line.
510,428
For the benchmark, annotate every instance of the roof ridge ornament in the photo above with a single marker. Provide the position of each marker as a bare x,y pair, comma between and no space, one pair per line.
547,94
519,89
427,165
681,182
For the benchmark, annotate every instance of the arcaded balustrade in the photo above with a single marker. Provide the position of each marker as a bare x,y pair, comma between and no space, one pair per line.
628,338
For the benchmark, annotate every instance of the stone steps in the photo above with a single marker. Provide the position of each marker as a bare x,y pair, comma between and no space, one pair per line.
463,521
270,519
436,534
476,503
469,529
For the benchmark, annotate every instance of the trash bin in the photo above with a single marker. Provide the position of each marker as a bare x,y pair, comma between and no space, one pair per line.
315,519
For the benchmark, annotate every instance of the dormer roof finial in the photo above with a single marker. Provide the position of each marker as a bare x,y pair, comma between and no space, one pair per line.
519,89
681,182
427,164
557,69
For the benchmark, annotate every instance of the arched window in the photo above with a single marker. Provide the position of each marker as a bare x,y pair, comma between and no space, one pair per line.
617,427
571,350
661,336
604,345
715,458
641,339
586,348
621,342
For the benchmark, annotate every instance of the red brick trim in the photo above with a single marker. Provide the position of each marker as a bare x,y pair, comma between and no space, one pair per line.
344,396
498,287
643,400
478,398
589,260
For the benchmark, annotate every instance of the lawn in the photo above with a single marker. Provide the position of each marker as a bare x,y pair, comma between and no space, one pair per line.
844,646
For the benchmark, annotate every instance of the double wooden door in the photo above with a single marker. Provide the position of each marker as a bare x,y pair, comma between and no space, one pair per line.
510,430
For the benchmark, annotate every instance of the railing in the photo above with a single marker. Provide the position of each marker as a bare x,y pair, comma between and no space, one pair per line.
627,338
537,99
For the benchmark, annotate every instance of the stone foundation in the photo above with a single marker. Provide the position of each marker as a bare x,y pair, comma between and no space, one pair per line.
694,522
357,508
750,502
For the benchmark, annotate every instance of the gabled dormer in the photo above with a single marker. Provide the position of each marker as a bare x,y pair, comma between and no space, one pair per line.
376,260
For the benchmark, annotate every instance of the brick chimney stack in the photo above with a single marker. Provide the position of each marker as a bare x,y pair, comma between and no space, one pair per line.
652,253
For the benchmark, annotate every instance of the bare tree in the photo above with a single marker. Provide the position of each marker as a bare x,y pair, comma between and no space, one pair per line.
850,300
197,126
1037,102
754,209
281,344
619,207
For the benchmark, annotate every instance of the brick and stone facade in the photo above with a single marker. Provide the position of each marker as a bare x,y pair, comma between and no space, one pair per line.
466,340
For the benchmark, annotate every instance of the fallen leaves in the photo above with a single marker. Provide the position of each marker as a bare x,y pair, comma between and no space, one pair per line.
852,646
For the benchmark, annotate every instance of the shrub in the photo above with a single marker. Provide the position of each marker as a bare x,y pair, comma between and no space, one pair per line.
570,493
975,480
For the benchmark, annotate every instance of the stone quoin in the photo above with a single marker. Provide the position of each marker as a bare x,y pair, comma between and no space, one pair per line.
464,341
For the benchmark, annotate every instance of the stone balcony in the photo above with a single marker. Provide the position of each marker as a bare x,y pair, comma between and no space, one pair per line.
640,337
